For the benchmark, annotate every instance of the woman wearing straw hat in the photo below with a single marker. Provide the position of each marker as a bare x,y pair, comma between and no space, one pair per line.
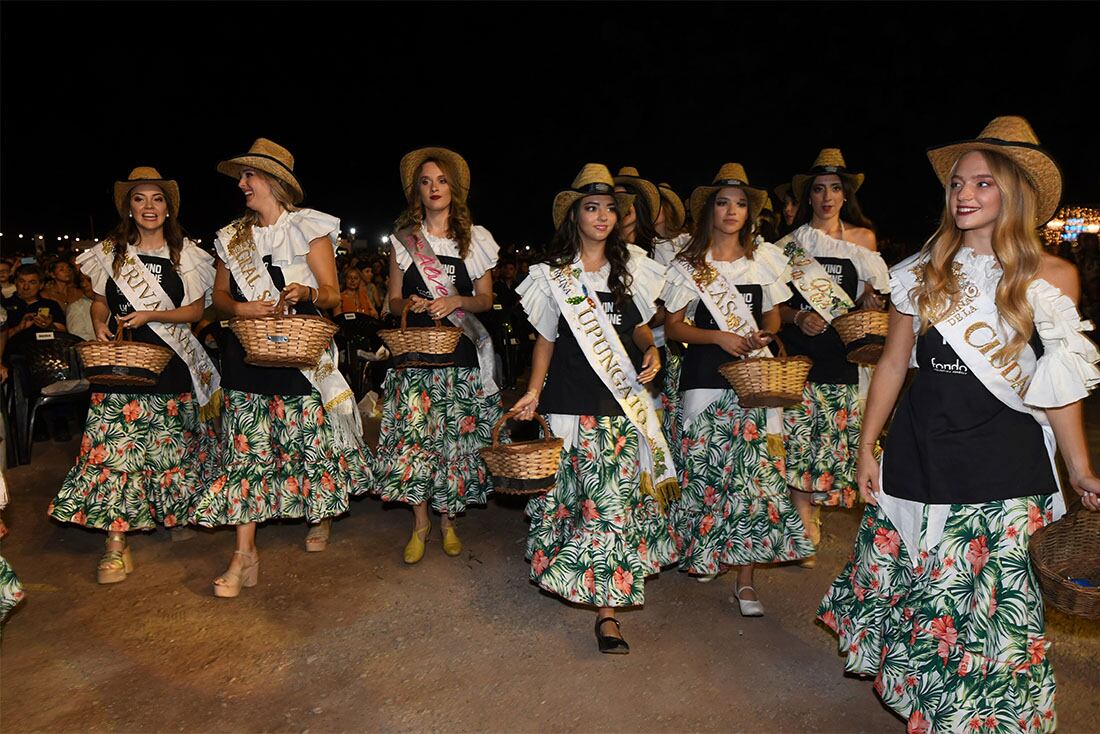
939,600
146,450
436,419
292,439
735,509
788,207
834,265
601,530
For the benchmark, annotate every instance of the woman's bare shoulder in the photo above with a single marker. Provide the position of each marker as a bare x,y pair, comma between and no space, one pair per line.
1062,274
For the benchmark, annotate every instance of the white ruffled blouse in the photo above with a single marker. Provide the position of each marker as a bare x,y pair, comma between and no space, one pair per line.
767,268
665,251
870,267
196,269
542,309
480,258
287,242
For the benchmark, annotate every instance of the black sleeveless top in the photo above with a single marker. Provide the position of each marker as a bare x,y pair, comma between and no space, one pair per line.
572,386
243,377
701,361
412,282
953,442
827,350
175,378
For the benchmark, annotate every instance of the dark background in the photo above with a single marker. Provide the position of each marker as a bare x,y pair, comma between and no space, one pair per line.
527,93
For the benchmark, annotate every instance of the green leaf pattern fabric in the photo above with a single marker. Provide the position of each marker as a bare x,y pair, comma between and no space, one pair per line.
735,508
143,459
595,537
822,439
11,591
434,423
670,405
956,642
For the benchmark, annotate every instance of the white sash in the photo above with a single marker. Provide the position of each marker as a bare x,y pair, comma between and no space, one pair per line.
605,354
238,251
816,286
976,332
435,278
144,292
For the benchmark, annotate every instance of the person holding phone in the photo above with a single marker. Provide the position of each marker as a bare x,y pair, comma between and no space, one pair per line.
27,310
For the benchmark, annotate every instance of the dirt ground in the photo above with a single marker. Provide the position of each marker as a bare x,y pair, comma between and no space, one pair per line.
352,639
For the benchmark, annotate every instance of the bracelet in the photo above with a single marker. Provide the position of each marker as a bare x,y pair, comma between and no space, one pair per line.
795,319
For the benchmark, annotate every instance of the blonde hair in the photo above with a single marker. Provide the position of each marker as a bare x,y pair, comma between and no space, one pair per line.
459,221
1015,244
279,190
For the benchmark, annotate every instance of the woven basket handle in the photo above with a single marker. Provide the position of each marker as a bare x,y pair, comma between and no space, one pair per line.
777,340
511,414
282,308
405,316
118,334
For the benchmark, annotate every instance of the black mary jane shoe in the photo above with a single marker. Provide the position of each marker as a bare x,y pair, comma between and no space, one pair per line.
611,645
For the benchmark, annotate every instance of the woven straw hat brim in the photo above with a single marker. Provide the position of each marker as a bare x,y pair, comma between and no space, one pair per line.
1038,166
170,188
270,166
781,192
668,196
566,199
649,191
802,180
756,196
411,162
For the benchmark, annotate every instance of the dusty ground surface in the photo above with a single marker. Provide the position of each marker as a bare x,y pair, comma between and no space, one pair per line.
353,640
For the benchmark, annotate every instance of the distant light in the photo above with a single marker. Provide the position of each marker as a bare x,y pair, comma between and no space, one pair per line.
20,236
66,236
352,230
385,238
97,239
527,247
58,239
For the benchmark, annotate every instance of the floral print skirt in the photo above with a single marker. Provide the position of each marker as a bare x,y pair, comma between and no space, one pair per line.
279,460
822,440
734,507
143,459
594,537
670,408
11,591
954,637
434,423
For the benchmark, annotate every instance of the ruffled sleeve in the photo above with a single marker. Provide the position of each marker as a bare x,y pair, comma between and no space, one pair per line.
679,291
649,281
538,301
1067,370
902,281
89,264
775,294
773,273
196,270
483,253
289,238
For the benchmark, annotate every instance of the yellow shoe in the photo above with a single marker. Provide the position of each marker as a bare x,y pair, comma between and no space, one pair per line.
452,546
414,551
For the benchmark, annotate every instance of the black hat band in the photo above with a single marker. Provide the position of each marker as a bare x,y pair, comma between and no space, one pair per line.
730,182
596,188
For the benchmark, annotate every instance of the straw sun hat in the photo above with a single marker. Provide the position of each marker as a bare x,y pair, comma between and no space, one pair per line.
829,160
628,176
593,179
411,163
1013,138
675,206
146,175
731,174
271,158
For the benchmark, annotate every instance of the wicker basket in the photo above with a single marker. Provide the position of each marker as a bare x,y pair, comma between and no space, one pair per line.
768,382
864,333
421,346
1069,549
527,467
123,362
284,340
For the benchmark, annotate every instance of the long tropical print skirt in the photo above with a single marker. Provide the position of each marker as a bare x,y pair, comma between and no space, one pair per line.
143,459
955,637
434,423
279,460
822,440
670,407
595,536
11,591
734,507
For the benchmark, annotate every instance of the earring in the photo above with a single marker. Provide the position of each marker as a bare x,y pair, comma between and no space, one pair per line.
167,215
131,215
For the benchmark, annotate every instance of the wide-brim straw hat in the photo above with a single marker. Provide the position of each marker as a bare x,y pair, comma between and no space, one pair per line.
675,206
628,176
146,175
411,163
1012,137
782,191
269,157
731,174
593,179
829,161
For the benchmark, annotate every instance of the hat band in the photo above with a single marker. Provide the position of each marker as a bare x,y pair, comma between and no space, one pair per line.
271,158
839,170
596,188
730,182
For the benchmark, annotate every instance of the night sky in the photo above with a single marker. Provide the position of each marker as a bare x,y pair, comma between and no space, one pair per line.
527,94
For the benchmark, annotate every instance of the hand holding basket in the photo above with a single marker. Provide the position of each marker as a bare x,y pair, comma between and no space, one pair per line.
284,339
527,467
421,346
768,382
121,362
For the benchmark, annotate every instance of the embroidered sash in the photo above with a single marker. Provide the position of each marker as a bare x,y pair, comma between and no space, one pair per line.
435,277
142,289
814,284
238,250
976,332
604,351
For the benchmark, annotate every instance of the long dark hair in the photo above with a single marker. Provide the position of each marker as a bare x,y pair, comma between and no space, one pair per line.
566,243
849,211
645,233
127,232
695,251
459,221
